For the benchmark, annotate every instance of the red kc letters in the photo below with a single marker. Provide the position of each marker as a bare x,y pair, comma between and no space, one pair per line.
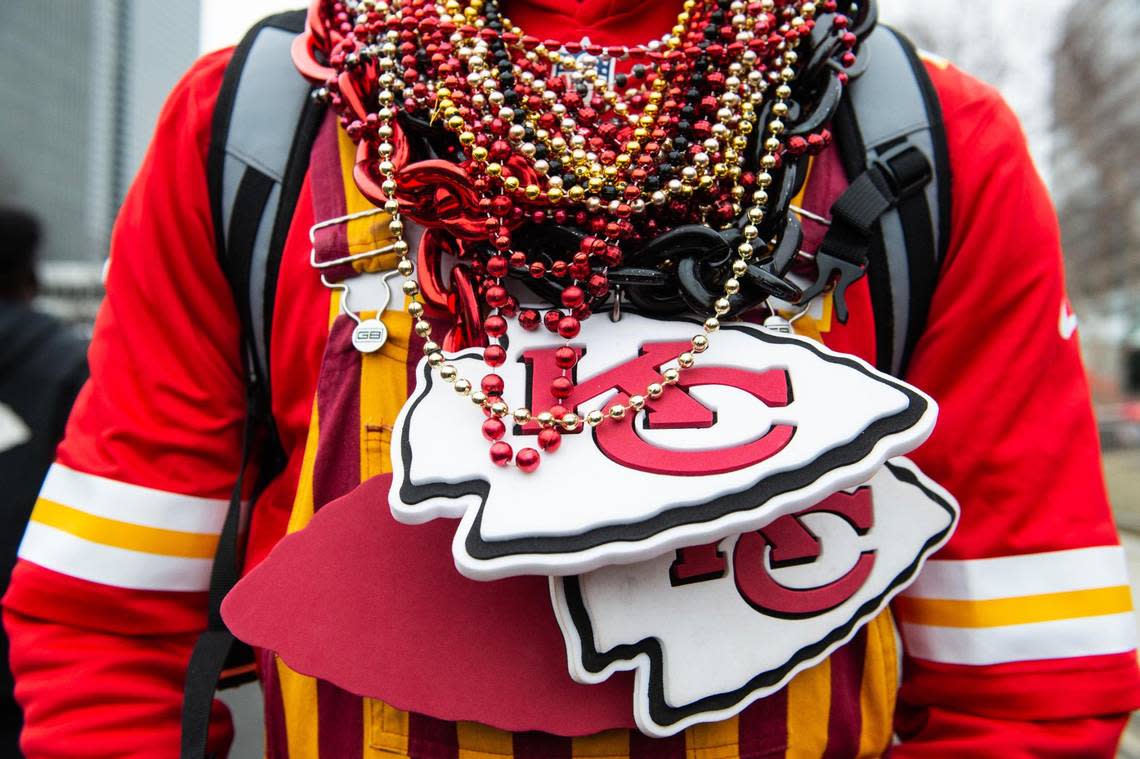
791,543
620,441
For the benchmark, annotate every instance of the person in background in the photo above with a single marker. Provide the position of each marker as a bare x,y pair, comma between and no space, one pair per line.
42,366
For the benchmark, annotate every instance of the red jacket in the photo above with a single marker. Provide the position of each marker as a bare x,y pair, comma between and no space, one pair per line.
1018,639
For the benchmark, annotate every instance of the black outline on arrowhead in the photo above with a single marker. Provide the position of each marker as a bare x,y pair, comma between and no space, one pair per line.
660,711
745,500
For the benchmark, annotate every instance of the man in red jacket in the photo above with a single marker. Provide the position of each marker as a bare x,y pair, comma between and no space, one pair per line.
1017,639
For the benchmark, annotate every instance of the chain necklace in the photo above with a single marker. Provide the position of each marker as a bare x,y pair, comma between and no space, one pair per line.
539,146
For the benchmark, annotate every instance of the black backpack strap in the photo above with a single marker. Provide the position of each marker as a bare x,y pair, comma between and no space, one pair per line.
894,217
215,648
264,125
263,128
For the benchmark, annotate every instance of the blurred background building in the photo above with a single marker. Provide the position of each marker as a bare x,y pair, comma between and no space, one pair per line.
79,106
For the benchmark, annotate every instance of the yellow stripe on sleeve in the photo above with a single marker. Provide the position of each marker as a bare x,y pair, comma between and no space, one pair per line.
119,534
1021,610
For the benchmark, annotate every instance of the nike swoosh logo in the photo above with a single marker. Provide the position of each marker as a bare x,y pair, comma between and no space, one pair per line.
1068,322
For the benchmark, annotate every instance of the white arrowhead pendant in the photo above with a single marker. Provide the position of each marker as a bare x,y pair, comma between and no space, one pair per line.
764,425
710,629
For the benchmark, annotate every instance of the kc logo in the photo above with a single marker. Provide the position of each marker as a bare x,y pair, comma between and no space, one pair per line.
711,628
764,425
674,410
791,544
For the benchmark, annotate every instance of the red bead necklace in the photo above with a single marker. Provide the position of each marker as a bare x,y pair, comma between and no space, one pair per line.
540,137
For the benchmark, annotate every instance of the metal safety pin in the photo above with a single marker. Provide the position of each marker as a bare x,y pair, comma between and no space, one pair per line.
809,215
615,312
351,257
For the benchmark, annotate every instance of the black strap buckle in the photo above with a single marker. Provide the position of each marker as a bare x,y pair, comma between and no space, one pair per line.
844,274
905,169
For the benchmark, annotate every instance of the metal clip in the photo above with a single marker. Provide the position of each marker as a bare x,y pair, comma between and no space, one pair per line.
349,258
810,215
615,313
369,335
345,292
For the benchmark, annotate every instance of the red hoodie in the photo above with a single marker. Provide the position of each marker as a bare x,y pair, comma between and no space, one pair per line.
1017,639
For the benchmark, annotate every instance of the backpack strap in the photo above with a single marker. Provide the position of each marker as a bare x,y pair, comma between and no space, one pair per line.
264,125
894,218
263,128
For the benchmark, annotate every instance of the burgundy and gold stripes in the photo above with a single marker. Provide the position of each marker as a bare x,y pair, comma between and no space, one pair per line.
840,708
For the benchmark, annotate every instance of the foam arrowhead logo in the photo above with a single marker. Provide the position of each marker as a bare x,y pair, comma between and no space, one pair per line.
710,629
763,426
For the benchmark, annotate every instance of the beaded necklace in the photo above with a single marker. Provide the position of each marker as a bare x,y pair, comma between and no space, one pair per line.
539,138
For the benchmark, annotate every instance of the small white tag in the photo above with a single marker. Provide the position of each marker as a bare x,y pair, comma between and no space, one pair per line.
369,336
778,324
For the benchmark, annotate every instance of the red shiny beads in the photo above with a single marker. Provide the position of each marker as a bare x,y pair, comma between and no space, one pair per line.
505,171
494,429
561,387
527,459
549,440
569,327
502,453
494,355
573,296
565,357
496,296
492,384
497,266
495,326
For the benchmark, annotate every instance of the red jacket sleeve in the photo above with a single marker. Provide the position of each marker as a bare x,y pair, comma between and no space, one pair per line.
1019,636
109,591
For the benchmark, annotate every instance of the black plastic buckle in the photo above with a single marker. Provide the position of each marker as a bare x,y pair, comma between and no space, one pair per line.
844,274
905,169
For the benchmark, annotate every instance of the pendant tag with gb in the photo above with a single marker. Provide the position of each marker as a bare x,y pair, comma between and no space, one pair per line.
369,335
